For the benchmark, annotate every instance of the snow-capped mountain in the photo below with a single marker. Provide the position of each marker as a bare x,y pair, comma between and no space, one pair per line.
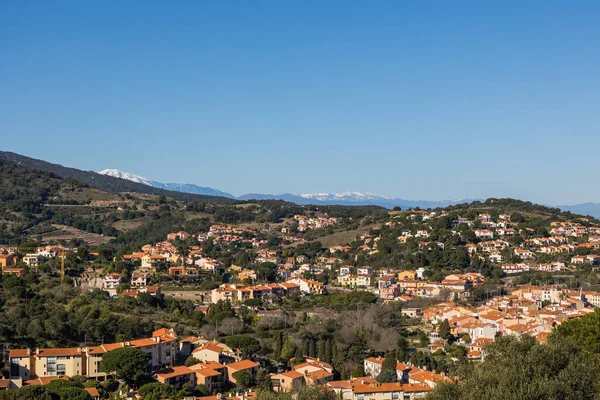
346,196
353,199
115,173
178,187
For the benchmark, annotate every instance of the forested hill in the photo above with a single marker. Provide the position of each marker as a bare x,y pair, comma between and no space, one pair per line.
107,183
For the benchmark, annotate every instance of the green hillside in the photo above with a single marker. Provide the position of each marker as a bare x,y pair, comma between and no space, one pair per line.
107,183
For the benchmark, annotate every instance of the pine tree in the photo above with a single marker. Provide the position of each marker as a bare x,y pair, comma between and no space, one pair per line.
321,350
311,348
444,330
298,357
287,350
278,346
388,369
328,352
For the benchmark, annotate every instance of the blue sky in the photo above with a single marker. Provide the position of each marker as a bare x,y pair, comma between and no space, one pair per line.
420,100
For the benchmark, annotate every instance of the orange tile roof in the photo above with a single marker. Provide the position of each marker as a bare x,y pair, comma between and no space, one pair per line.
320,374
92,391
143,342
241,365
43,380
211,346
174,371
74,351
377,388
291,374
207,372
207,365
18,353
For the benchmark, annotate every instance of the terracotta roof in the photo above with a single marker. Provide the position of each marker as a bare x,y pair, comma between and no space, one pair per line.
18,353
174,371
92,391
320,374
74,351
207,365
244,364
290,374
143,342
207,372
378,387
211,346
43,380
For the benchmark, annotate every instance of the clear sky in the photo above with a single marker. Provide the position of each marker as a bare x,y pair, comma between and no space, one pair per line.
420,100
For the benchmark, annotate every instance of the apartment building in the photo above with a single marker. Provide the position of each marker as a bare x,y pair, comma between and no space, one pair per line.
27,364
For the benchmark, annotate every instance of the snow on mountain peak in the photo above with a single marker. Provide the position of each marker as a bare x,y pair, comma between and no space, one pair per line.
177,187
115,173
345,196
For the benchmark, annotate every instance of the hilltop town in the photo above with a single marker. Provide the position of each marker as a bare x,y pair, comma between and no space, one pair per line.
243,300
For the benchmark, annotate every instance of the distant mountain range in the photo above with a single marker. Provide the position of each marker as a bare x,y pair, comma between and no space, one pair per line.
592,209
116,181
345,198
177,187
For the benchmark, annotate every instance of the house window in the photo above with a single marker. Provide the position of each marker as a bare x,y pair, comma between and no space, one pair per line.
14,368
51,366
360,397
61,369
394,396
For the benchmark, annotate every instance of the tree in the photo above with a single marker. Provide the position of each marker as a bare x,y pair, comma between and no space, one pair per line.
263,379
201,390
67,390
27,393
319,392
231,326
267,272
556,370
157,391
298,356
243,379
388,372
247,344
584,332
127,363
191,360
444,330
287,351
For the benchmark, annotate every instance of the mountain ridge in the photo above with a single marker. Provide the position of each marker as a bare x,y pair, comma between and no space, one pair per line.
106,183
348,198
177,187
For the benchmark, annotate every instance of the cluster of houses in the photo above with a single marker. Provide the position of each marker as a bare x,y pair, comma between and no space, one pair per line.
392,285
493,237
413,383
238,293
9,261
29,366
306,223
532,310
215,368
